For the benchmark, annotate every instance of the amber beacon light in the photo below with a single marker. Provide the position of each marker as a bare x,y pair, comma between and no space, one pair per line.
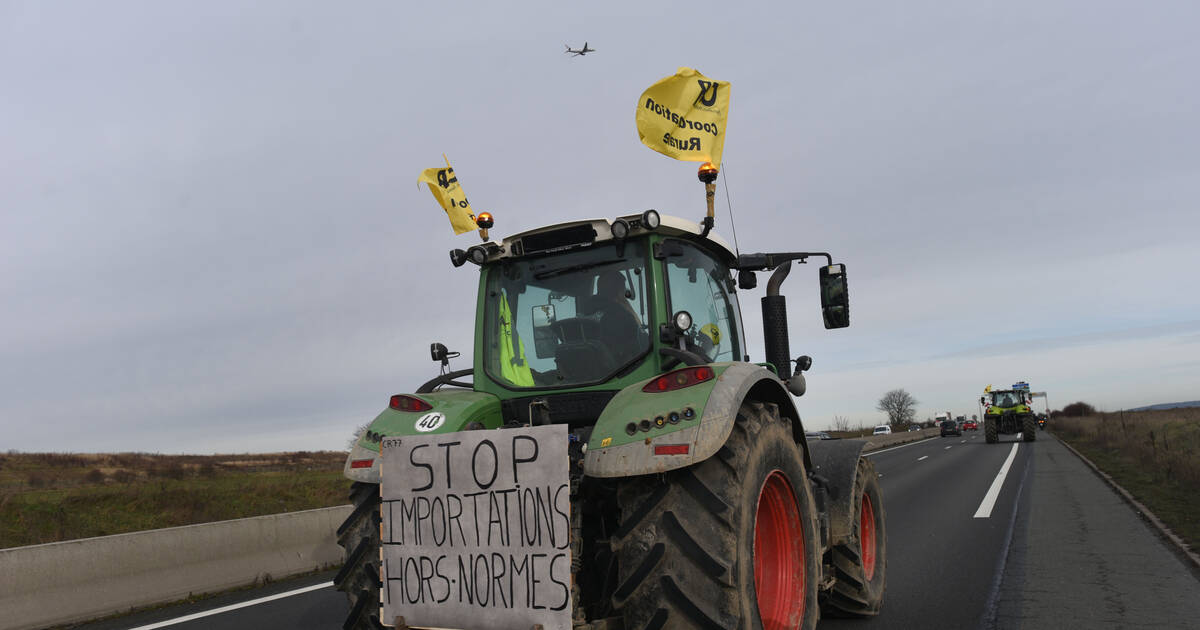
484,221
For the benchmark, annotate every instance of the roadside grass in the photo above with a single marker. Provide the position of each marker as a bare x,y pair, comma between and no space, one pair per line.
1155,455
49,497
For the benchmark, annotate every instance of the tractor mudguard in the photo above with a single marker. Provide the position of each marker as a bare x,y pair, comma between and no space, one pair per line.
451,411
835,465
613,452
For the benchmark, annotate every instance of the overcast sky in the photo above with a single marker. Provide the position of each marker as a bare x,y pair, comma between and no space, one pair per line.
211,238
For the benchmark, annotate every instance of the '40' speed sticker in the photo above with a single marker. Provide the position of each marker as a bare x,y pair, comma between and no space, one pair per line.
430,421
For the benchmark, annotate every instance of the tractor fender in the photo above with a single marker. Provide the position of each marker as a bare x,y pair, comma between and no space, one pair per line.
835,468
735,383
451,411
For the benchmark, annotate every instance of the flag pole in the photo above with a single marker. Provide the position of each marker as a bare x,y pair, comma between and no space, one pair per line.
708,175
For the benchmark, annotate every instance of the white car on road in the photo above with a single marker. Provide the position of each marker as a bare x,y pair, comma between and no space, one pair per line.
882,429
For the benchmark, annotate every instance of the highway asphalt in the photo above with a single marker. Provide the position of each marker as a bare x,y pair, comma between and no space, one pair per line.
1049,546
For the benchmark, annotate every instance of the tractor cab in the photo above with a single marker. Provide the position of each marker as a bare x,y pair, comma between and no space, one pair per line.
599,304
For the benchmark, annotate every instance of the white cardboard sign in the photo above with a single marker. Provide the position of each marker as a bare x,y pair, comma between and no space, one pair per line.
476,529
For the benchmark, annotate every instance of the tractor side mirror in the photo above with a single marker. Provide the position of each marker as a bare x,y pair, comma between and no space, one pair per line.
545,341
835,299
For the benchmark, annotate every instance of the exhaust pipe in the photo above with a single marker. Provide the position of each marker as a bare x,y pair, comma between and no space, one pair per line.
774,315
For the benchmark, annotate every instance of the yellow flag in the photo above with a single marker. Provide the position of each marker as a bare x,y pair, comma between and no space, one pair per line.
445,188
683,117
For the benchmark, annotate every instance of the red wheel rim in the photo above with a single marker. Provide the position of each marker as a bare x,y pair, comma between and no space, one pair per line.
779,579
866,534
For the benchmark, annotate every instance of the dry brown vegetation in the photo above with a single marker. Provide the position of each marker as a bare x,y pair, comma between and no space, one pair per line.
46,497
1153,454
1166,442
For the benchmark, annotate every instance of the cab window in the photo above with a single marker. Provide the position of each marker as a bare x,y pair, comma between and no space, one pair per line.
699,284
569,319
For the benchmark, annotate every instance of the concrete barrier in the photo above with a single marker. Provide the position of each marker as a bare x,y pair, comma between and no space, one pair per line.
877,442
76,580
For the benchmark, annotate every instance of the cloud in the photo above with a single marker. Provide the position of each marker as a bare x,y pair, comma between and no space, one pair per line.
211,236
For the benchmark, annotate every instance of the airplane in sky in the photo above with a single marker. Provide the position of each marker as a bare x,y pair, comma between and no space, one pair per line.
581,52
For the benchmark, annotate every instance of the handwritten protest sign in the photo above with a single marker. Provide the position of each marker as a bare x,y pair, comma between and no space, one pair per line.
476,529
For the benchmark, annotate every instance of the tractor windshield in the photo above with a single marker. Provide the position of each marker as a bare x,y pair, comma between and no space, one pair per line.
569,319
1006,399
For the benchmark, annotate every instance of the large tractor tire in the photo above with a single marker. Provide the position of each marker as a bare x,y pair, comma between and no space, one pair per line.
991,432
359,576
728,543
861,564
1029,428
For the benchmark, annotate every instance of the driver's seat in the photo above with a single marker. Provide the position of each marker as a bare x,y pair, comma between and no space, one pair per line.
619,324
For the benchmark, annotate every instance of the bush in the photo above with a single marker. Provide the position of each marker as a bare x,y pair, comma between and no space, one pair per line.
124,476
170,470
94,476
1078,410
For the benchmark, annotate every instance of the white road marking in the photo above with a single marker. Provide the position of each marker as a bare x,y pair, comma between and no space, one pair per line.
922,457
963,442
217,611
892,448
989,499
948,447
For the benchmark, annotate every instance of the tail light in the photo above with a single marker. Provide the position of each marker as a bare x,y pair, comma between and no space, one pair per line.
400,402
680,379
361,463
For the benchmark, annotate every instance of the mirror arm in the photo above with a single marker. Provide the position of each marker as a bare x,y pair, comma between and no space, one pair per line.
445,379
764,262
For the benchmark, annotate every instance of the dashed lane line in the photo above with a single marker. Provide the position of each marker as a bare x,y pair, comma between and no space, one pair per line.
989,499
922,457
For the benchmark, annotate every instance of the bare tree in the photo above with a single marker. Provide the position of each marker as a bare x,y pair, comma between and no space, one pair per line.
899,405
841,423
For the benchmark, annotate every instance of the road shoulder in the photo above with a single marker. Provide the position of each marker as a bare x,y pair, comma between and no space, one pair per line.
1081,557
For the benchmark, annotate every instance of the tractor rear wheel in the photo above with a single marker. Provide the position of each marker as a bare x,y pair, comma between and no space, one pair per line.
730,542
1029,428
359,576
861,564
990,431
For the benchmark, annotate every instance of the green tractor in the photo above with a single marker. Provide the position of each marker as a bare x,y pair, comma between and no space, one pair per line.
1008,412
696,501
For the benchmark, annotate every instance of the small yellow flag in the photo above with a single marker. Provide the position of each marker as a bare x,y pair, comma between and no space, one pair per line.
445,188
683,117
